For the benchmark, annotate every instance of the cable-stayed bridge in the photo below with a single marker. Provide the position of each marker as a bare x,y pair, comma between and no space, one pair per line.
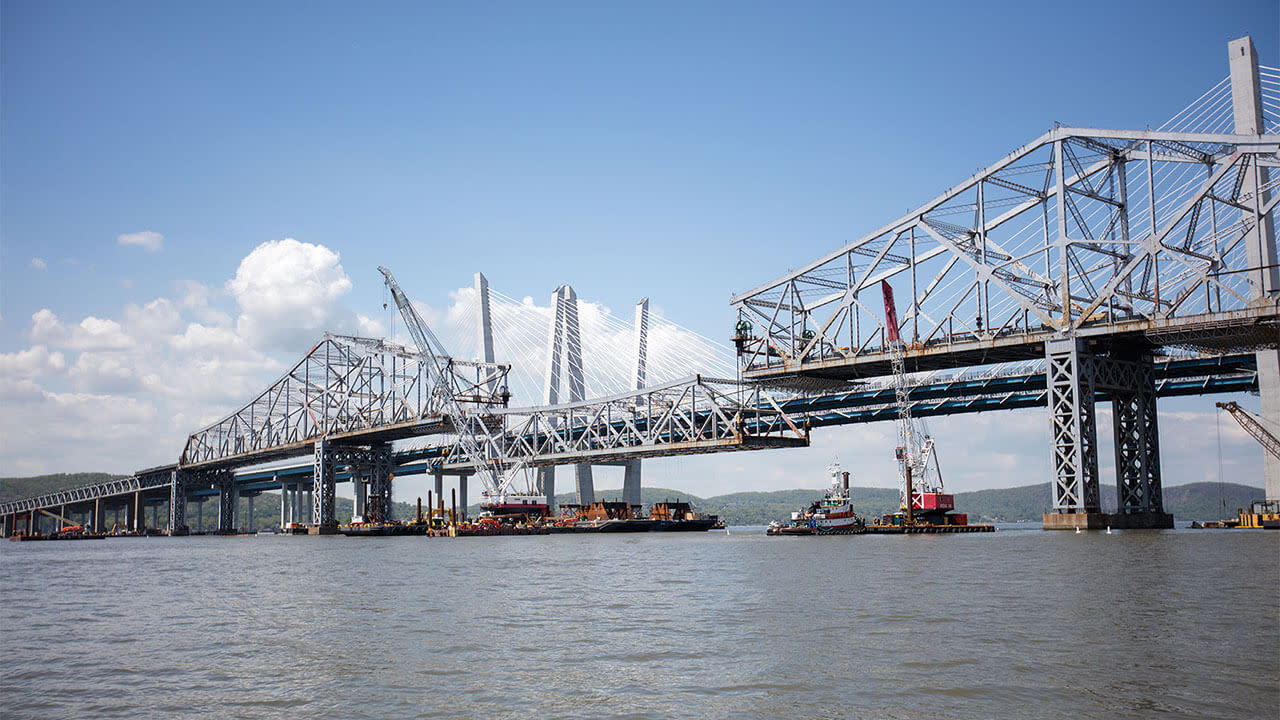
1089,264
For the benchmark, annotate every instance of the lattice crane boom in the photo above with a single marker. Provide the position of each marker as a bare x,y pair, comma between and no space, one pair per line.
916,448
1270,442
473,434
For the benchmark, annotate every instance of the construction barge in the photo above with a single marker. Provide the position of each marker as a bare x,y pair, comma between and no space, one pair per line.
620,517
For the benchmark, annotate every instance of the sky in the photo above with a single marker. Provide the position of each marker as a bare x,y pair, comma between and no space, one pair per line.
191,194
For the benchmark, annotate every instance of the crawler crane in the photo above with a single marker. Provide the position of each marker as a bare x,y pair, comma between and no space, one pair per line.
1261,513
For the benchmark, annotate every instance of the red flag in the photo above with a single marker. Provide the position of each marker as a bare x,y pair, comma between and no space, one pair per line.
890,312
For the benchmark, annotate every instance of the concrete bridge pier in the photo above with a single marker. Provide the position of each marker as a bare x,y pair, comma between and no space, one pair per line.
249,523
95,522
286,505
360,491
547,486
134,521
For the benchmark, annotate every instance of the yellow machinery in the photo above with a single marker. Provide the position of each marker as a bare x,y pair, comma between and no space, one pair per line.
1261,513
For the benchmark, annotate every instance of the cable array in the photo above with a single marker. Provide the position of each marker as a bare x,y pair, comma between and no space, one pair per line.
522,337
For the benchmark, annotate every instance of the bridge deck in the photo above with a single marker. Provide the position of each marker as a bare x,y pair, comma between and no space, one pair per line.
1258,326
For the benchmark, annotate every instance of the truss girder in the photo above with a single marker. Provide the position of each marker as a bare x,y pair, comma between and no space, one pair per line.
343,385
1080,229
1018,386
692,415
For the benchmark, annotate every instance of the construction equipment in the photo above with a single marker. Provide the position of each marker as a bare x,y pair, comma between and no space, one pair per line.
481,442
917,458
1253,425
1261,513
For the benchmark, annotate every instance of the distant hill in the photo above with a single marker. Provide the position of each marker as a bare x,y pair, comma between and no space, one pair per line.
17,488
1196,501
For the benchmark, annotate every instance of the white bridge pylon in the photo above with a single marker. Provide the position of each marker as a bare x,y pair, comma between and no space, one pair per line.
577,370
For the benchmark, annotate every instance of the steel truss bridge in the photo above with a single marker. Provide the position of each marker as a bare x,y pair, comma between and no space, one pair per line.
1092,250
1021,386
1083,261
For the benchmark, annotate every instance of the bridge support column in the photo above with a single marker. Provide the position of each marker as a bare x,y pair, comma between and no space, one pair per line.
1260,241
1073,434
631,482
249,524
1269,390
359,492
1074,374
1130,379
380,476
547,486
178,503
324,490
134,519
462,496
95,523
226,503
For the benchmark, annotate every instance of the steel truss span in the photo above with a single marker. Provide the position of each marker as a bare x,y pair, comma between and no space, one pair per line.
350,388
695,415
1021,386
1083,232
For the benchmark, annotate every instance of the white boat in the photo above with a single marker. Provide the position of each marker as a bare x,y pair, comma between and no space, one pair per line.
833,513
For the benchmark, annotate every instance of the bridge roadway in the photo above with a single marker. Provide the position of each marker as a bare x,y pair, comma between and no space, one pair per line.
1023,386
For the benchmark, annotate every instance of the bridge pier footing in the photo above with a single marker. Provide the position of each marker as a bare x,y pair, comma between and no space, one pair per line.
1102,521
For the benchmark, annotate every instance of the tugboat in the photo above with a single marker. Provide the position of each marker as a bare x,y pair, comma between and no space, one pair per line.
831,515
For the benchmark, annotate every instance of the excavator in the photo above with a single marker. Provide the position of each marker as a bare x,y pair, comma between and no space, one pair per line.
1261,513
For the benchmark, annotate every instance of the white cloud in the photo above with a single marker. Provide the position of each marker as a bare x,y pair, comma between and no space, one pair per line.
288,293
93,333
151,241
39,263
34,362
152,322
97,372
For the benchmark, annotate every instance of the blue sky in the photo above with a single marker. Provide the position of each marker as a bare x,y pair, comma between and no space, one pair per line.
682,151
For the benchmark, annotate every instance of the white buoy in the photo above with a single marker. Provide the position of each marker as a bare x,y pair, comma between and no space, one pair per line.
1077,529
1108,529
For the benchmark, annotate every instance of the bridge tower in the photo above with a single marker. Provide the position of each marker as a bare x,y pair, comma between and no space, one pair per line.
631,471
566,341
1246,96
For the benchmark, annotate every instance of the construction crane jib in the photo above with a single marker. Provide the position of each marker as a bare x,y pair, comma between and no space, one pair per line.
477,439
1254,427
915,449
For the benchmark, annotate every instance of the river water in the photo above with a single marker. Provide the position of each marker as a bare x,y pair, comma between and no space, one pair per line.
1020,623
